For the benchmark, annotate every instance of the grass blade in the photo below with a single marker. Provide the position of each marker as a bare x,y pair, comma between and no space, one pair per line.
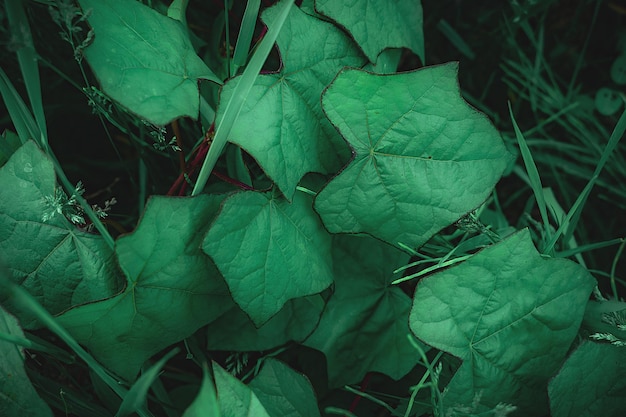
234,105
28,303
27,58
533,174
246,31
135,399
23,121
573,216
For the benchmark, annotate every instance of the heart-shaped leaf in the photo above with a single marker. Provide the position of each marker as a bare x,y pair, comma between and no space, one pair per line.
236,399
281,124
510,315
422,157
284,392
364,326
172,287
269,251
368,22
602,368
58,264
144,60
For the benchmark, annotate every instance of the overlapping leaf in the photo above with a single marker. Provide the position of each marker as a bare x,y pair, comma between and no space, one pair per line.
423,157
172,287
269,251
236,399
364,326
144,60
18,398
510,315
234,330
281,124
590,383
284,392
368,22
53,260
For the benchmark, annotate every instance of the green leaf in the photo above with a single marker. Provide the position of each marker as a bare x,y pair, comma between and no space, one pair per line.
591,383
144,60
172,287
235,398
18,398
510,315
294,322
135,398
422,157
9,143
364,326
284,392
205,404
368,21
60,265
269,251
282,124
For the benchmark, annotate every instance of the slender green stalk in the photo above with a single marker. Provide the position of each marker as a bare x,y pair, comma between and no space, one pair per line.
235,104
248,23
533,174
573,216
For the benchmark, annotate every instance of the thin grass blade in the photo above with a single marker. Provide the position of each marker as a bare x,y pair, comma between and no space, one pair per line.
135,398
533,173
27,58
233,107
246,31
573,216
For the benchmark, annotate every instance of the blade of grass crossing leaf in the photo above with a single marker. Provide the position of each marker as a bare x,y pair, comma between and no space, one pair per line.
27,58
559,216
135,398
23,121
456,39
27,302
28,129
533,173
246,31
233,107
574,213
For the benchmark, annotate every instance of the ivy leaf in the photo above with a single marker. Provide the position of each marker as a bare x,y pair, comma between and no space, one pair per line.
422,157
602,368
364,326
18,397
235,331
236,399
172,287
269,251
368,23
144,60
284,392
281,123
58,264
510,315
